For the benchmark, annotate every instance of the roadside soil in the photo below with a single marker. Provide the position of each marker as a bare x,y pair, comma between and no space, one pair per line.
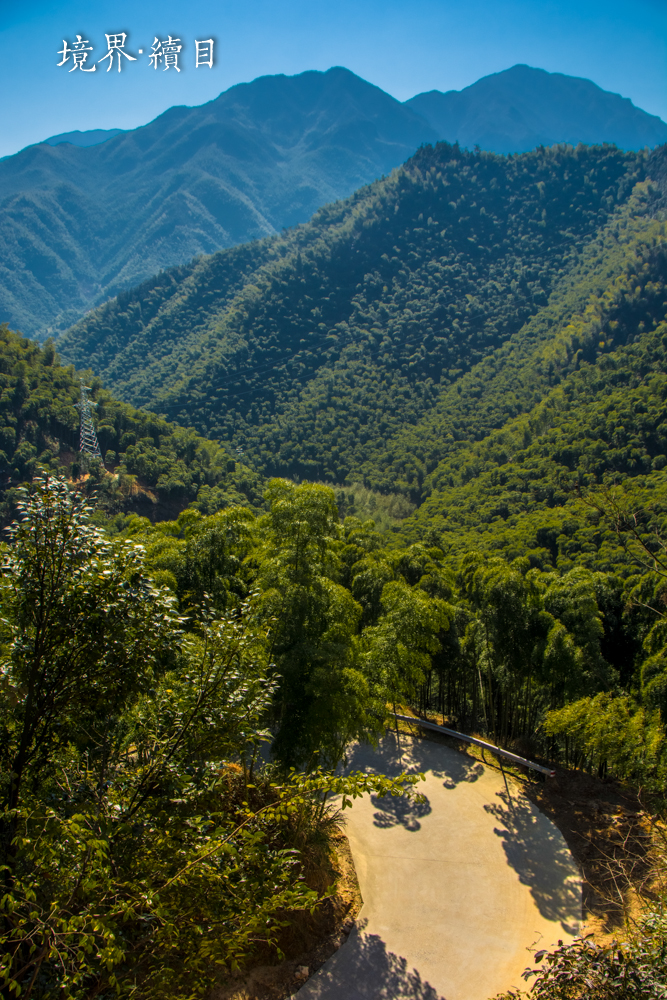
310,939
613,839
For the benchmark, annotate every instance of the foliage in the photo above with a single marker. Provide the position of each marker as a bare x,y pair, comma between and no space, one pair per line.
356,625
143,847
520,642
348,625
513,491
200,558
147,459
121,893
583,969
351,330
324,697
386,510
398,650
608,733
82,630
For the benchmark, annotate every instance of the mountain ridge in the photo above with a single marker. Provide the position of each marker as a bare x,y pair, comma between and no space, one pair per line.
322,352
523,107
90,137
80,223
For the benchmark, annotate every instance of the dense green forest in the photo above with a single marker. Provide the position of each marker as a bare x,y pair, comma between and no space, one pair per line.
603,422
136,807
471,357
348,331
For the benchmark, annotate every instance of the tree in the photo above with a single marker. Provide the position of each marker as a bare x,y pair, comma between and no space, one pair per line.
323,698
397,651
140,852
83,629
199,558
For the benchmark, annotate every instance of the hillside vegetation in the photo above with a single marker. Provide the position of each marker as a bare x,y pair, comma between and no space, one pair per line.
145,665
349,331
151,465
601,422
483,341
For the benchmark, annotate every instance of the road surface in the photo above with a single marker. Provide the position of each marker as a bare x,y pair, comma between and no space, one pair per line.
458,891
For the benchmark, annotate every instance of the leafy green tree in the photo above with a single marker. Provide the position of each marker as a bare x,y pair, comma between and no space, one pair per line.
369,578
200,558
512,628
612,733
360,540
323,698
143,849
572,599
653,673
397,651
83,630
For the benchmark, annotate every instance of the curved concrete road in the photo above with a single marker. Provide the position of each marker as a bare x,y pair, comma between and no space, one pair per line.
458,891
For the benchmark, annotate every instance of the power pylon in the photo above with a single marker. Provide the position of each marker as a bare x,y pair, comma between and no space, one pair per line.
88,443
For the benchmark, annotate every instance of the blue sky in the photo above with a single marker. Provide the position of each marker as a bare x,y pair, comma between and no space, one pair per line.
403,46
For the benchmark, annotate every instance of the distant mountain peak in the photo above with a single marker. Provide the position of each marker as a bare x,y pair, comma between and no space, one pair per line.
520,108
259,157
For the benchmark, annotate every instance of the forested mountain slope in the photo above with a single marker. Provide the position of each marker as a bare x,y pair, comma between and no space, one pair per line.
151,466
82,218
524,107
553,343
77,224
517,491
336,351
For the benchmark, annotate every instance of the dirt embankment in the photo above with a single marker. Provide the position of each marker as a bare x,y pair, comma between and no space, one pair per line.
310,939
614,840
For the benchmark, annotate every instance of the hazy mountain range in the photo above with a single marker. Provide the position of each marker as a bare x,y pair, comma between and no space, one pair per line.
92,137
521,108
84,215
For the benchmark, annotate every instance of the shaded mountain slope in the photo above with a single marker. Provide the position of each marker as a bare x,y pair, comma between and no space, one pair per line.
78,223
513,378
523,107
331,352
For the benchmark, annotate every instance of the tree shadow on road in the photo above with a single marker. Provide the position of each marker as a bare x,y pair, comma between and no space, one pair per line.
413,755
399,811
460,769
537,852
363,969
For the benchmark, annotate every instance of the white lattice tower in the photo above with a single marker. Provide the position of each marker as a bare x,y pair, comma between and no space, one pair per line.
88,443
